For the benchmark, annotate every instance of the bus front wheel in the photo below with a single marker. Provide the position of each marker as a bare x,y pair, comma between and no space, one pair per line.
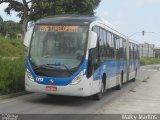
99,95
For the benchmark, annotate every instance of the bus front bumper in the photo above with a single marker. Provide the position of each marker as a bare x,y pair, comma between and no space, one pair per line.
82,89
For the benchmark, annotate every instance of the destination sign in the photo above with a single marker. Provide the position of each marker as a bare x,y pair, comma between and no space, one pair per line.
47,28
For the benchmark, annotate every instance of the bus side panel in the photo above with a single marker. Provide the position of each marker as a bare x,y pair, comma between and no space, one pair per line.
112,69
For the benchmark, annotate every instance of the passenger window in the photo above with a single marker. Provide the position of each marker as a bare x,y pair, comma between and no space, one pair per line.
110,46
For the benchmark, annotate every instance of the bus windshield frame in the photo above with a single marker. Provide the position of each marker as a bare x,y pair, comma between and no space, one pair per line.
67,32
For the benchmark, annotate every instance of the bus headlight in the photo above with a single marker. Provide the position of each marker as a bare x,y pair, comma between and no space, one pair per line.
77,79
29,75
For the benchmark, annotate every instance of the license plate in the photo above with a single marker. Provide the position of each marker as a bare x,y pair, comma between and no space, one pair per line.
51,88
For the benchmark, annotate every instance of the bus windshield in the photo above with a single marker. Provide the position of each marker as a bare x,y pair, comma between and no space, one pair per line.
57,45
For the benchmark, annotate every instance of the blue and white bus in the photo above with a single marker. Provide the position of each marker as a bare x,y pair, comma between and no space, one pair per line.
78,56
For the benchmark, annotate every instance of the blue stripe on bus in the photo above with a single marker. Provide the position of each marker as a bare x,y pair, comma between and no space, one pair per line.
111,68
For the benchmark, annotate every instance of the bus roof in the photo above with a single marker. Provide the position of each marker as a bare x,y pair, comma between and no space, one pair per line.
68,19
73,20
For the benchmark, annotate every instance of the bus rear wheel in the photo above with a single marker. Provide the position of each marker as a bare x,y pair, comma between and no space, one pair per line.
120,83
99,95
134,79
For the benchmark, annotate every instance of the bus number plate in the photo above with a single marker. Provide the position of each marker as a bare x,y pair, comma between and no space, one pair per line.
51,88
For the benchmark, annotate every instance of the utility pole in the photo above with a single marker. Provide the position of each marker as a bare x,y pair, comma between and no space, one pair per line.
143,33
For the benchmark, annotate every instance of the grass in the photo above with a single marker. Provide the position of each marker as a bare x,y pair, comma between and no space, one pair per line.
148,61
11,70
11,47
12,75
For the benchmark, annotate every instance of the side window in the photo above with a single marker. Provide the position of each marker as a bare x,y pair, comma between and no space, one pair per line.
109,39
131,51
110,46
113,47
121,48
117,44
105,44
136,52
94,53
124,49
102,45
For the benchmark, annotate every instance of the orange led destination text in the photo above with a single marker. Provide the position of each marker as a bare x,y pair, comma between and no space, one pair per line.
46,28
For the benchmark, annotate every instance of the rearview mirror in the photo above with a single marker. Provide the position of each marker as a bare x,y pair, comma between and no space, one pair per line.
27,38
92,40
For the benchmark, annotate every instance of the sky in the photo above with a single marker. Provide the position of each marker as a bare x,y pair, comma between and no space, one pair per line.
127,16
131,16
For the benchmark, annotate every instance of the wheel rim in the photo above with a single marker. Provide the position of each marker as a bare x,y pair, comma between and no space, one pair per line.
102,88
120,83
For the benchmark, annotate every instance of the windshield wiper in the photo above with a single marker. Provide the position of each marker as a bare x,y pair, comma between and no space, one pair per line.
67,69
51,66
45,65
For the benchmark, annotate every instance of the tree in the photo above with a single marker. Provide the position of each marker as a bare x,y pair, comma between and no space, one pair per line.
81,7
11,27
1,19
31,10
22,9
2,23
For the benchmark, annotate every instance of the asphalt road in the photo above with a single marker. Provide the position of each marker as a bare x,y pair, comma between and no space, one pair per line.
37,103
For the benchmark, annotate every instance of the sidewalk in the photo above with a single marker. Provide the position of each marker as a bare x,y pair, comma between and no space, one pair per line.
143,99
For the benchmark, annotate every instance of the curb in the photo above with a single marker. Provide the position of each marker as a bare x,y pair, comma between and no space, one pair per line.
14,95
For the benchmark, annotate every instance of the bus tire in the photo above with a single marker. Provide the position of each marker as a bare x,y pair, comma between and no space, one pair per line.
99,95
134,79
50,95
120,83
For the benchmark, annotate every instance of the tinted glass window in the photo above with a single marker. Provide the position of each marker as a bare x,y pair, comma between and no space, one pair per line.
65,47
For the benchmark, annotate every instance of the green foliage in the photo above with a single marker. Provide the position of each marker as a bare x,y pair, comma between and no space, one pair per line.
1,19
9,27
12,66
11,47
12,75
57,7
1,24
148,61
42,8
81,7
